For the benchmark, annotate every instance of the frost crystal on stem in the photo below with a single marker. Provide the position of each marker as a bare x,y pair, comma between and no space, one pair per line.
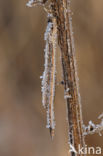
94,128
60,28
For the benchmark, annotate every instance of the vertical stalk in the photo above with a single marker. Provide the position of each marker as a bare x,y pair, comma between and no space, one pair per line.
61,10
62,24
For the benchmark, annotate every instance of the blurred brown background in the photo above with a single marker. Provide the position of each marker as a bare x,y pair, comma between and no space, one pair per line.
22,117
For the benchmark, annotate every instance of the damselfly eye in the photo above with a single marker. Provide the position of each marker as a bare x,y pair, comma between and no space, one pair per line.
49,20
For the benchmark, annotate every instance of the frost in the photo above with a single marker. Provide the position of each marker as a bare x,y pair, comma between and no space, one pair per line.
68,89
29,4
93,128
67,96
48,30
47,65
48,118
32,3
49,74
41,77
100,116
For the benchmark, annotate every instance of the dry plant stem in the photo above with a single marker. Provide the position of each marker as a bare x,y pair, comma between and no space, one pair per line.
65,40
59,11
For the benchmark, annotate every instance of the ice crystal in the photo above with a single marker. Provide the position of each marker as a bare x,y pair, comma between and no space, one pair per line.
67,96
100,116
68,89
93,128
41,77
32,3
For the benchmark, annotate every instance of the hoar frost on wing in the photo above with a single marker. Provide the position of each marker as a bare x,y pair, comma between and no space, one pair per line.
32,3
49,74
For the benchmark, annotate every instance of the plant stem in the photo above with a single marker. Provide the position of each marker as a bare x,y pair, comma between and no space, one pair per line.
72,96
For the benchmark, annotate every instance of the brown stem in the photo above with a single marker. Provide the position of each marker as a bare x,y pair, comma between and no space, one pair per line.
62,13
